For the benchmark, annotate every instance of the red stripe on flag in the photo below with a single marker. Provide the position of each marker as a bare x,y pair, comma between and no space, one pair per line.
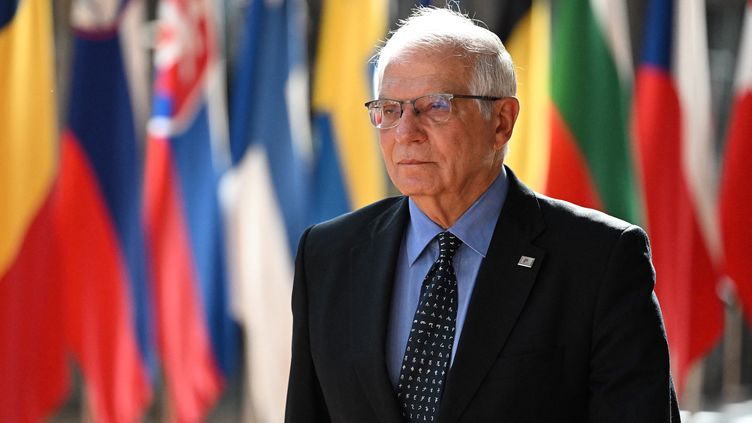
193,378
736,202
33,372
568,175
685,276
99,316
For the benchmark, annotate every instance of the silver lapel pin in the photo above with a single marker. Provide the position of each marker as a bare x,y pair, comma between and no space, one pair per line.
526,261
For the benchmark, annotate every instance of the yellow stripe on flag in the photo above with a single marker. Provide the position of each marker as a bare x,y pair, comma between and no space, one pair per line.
27,122
530,48
349,32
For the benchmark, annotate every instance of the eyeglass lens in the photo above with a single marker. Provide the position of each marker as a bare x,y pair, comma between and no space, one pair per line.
387,113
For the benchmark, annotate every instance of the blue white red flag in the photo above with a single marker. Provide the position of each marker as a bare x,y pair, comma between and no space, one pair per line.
99,218
736,195
185,238
674,140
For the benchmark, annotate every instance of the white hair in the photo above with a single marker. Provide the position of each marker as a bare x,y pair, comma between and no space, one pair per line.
431,29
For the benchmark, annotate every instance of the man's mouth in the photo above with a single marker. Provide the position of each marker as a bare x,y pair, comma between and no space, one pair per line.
411,162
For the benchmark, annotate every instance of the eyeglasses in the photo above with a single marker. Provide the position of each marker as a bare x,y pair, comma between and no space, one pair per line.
436,108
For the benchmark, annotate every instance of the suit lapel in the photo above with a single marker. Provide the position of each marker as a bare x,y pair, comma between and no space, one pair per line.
499,296
373,265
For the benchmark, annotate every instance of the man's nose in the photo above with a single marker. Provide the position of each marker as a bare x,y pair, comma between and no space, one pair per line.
409,128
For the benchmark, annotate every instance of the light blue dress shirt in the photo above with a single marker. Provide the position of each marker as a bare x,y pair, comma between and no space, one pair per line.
418,252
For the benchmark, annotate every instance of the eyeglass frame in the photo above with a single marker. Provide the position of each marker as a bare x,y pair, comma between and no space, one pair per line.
401,103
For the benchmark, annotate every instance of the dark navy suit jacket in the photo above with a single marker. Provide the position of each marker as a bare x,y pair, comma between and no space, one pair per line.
577,336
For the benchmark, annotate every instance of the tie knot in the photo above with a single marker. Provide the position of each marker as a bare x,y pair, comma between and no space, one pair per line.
448,245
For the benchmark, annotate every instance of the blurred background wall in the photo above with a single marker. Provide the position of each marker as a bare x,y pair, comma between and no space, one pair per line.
160,158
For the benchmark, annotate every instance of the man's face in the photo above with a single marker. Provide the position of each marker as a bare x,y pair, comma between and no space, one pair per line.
438,161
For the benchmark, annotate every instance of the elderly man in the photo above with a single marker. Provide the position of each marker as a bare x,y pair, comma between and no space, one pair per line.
470,298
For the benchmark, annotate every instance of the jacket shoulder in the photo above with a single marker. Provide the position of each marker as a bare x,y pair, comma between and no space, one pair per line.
348,228
568,219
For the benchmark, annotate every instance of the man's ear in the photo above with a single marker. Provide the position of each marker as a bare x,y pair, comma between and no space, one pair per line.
505,111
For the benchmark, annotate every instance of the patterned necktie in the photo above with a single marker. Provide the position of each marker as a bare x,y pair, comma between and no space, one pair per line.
429,347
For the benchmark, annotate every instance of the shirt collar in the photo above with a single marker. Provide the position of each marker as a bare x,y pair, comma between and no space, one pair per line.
474,228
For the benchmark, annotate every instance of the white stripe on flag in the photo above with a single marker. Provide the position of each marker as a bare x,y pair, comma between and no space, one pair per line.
614,23
743,80
261,273
692,75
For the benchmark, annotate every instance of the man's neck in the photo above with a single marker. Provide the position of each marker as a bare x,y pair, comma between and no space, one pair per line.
445,210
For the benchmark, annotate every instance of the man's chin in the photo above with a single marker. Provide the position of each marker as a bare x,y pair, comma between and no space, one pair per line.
415,190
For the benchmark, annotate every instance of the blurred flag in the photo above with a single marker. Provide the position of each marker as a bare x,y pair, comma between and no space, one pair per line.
525,30
185,156
266,193
98,216
591,76
33,373
736,195
674,137
348,169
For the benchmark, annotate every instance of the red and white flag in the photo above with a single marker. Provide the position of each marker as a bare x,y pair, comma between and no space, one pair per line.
736,194
673,130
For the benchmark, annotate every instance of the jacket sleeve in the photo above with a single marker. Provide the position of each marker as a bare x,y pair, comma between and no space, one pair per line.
305,401
630,380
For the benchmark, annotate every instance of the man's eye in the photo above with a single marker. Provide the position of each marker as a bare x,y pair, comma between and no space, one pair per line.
439,105
390,110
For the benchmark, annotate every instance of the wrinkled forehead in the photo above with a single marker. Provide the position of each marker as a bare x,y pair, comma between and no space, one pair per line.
422,71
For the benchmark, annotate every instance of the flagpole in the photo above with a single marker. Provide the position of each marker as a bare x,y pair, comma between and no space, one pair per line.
86,415
691,399
167,412
732,345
